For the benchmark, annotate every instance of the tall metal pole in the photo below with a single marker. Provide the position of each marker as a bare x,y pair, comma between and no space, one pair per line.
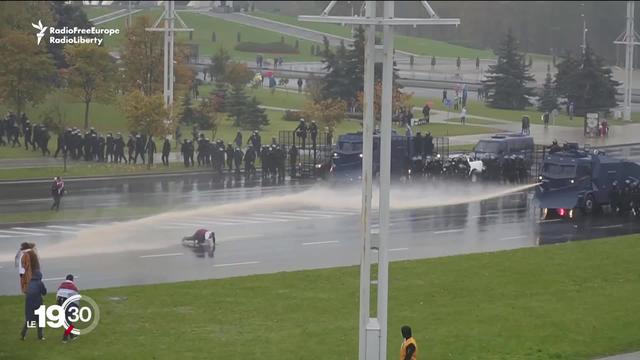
167,36
385,176
367,178
129,23
171,34
628,63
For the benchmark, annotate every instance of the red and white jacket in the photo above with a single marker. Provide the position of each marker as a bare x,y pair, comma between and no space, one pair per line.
67,289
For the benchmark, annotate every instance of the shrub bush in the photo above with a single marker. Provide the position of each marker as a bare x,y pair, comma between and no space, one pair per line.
273,48
292,115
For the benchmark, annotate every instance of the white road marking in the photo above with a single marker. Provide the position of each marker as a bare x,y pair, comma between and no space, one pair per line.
448,231
513,237
56,278
161,255
4,236
399,249
188,224
316,213
487,215
237,221
375,230
320,243
232,238
238,264
338,212
44,230
35,200
64,227
22,233
292,215
609,226
548,221
265,219
88,225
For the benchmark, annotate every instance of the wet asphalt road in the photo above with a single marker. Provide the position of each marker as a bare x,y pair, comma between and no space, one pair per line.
263,237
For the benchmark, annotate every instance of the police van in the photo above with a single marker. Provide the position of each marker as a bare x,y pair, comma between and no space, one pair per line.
500,146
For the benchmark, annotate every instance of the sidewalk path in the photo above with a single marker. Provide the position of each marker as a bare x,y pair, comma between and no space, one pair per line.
630,356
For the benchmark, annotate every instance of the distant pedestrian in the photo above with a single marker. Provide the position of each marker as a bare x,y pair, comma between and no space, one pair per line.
33,300
166,149
525,125
57,191
571,110
463,116
444,95
300,85
409,347
545,119
66,290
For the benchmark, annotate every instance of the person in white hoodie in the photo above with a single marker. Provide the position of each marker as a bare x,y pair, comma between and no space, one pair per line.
463,115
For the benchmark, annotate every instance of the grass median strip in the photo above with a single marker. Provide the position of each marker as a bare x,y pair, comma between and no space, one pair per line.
570,301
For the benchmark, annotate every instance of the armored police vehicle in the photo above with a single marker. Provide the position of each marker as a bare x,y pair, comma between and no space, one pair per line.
578,179
500,146
346,160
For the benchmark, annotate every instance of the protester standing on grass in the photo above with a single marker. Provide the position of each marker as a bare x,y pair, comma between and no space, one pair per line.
33,300
24,264
409,347
463,116
66,290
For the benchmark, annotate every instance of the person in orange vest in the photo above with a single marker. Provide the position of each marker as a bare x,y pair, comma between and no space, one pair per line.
409,348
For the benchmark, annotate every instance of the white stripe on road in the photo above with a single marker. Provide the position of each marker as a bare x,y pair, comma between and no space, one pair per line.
35,200
238,264
609,226
44,230
56,278
22,233
188,224
338,212
320,243
315,213
161,255
487,215
87,225
399,249
265,219
236,220
548,221
513,237
232,238
448,231
5,236
291,215
64,227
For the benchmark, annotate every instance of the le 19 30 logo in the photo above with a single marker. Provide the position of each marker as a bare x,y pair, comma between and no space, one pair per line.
78,315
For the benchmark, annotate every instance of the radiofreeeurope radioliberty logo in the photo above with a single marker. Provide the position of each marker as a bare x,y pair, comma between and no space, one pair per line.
73,35
42,29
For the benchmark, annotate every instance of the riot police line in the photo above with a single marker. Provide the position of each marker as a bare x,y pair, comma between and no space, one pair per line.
625,197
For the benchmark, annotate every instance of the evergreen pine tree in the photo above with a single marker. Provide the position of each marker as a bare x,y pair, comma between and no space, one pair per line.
548,100
506,84
186,116
236,105
587,83
255,117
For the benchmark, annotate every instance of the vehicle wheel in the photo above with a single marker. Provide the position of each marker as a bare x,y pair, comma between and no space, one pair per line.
589,205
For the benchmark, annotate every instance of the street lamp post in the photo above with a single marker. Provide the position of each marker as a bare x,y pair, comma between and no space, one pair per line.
373,330
629,39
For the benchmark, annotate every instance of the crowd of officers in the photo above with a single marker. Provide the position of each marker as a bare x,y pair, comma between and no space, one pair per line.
12,128
217,155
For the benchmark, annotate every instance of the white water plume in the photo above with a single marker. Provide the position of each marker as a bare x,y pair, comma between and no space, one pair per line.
144,234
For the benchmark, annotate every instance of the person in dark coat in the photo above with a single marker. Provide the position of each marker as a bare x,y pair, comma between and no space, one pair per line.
33,299
131,146
229,151
150,149
166,149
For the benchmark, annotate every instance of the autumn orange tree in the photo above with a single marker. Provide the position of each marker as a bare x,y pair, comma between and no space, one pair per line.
146,114
142,56
328,113
400,100
27,70
91,74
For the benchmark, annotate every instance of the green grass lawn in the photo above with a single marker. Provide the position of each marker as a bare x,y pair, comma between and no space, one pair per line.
95,11
416,45
81,168
478,108
570,301
226,32
7,152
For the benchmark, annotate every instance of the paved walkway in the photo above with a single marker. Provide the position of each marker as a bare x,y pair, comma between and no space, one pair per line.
630,356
